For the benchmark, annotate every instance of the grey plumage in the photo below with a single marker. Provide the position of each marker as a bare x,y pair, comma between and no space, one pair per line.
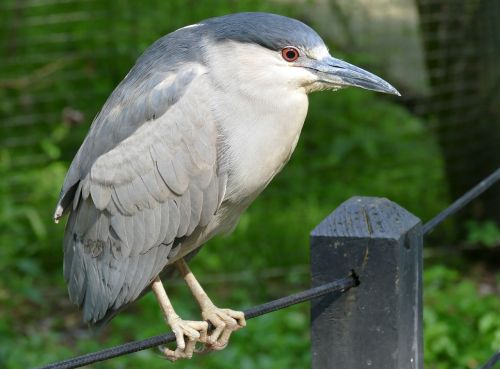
271,31
182,146
113,242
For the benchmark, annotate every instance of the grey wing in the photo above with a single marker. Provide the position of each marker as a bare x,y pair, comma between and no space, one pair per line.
156,186
141,97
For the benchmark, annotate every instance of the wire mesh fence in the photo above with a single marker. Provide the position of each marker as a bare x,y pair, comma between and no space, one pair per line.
462,46
59,61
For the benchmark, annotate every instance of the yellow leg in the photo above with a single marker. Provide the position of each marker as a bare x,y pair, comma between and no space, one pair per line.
187,332
225,321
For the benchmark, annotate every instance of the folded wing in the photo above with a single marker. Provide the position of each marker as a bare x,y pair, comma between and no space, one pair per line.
135,194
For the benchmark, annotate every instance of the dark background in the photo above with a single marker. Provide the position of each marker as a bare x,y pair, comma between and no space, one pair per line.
60,59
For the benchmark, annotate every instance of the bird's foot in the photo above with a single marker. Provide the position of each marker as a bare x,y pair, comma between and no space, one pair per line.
187,334
225,322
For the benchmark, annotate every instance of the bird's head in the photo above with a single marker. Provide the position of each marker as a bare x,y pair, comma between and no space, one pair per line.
269,47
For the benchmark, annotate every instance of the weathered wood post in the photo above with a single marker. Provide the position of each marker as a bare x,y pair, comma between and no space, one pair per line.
378,324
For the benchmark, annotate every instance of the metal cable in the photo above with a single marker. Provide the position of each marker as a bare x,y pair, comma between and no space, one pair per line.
462,201
492,361
339,285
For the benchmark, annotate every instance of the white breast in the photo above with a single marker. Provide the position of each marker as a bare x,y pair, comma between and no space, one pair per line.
260,138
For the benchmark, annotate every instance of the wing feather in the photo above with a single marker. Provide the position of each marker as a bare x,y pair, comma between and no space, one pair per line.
163,222
150,227
77,195
210,203
158,184
174,220
101,195
196,197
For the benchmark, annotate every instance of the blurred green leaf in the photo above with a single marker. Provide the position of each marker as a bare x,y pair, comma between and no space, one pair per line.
486,233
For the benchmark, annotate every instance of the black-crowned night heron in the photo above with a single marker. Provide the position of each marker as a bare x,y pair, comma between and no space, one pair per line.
197,129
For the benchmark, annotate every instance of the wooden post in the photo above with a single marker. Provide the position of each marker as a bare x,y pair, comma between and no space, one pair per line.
378,324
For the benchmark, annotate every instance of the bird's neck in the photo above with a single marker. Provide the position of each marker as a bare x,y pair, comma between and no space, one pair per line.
259,134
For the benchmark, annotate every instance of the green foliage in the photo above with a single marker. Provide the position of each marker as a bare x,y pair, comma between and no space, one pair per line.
485,233
27,203
462,326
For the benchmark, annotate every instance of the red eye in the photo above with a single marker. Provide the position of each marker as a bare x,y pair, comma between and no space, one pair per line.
290,54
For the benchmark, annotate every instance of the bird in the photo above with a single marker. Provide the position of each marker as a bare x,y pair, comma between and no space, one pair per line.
196,130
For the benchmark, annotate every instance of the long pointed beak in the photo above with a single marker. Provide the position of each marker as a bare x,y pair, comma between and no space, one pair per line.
338,73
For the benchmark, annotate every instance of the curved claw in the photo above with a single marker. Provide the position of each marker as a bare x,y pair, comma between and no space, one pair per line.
187,334
225,322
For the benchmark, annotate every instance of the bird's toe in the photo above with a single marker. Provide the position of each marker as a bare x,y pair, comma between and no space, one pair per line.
225,322
187,334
